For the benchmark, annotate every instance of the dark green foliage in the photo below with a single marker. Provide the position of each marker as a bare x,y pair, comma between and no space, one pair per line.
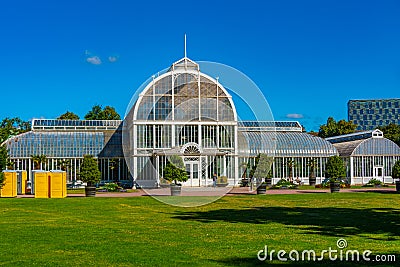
333,128
98,113
392,132
3,163
174,170
89,172
396,170
109,113
68,116
111,187
3,157
13,126
283,183
335,169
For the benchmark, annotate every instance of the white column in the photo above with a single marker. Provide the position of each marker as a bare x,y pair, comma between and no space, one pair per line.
351,170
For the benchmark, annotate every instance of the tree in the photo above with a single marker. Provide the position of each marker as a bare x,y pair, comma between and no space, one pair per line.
391,132
333,128
97,113
68,116
396,170
174,170
39,161
113,164
3,163
64,165
291,164
89,171
94,114
313,165
13,126
3,157
334,169
109,113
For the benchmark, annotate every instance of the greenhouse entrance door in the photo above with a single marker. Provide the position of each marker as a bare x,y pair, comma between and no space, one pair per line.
378,173
192,170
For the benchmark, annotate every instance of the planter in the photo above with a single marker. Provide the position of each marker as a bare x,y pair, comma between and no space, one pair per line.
176,190
335,187
268,182
90,191
312,180
222,184
262,189
398,186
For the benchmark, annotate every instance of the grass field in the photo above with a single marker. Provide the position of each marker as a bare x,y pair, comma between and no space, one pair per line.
141,231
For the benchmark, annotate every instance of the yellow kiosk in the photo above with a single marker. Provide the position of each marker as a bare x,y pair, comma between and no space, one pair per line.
58,184
41,180
10,184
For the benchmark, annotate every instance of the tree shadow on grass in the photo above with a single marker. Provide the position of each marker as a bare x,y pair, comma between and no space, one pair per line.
330,221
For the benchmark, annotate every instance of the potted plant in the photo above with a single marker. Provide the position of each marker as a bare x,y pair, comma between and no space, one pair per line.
396,175
291,164
335,171
222,181
174,172
90,174
313,165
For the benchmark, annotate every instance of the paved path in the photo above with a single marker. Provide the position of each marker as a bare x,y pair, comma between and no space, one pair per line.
209,191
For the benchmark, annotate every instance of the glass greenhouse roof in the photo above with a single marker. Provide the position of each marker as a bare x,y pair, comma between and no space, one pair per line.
286,144
354,136
370,146
79,125
55,144
270,126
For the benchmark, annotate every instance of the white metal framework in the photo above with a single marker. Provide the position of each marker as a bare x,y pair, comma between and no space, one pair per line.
367,155
187,113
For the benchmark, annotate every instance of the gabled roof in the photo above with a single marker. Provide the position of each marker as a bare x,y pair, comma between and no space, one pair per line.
184,64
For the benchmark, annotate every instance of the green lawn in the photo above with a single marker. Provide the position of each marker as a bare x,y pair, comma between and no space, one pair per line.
141,231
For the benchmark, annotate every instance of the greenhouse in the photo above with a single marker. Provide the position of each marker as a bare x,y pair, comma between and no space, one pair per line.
184,112
367,155
65,142
291,149
188,113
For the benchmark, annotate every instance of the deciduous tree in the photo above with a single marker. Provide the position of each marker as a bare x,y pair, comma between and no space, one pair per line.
68,116
333,128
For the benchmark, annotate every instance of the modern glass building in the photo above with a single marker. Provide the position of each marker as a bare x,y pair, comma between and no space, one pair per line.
367,155
370,114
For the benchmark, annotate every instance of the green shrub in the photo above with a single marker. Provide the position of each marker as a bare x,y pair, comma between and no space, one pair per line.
283,183
112,187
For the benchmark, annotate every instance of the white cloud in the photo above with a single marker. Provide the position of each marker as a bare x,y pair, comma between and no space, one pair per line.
112,59
95,60
294,116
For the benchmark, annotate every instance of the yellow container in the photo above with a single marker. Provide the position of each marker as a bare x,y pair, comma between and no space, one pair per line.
10,184
58,184
41,180
21,182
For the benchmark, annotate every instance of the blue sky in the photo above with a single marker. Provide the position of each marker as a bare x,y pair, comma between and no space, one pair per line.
308,57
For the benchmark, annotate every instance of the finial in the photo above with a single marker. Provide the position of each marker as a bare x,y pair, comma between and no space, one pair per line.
185,45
